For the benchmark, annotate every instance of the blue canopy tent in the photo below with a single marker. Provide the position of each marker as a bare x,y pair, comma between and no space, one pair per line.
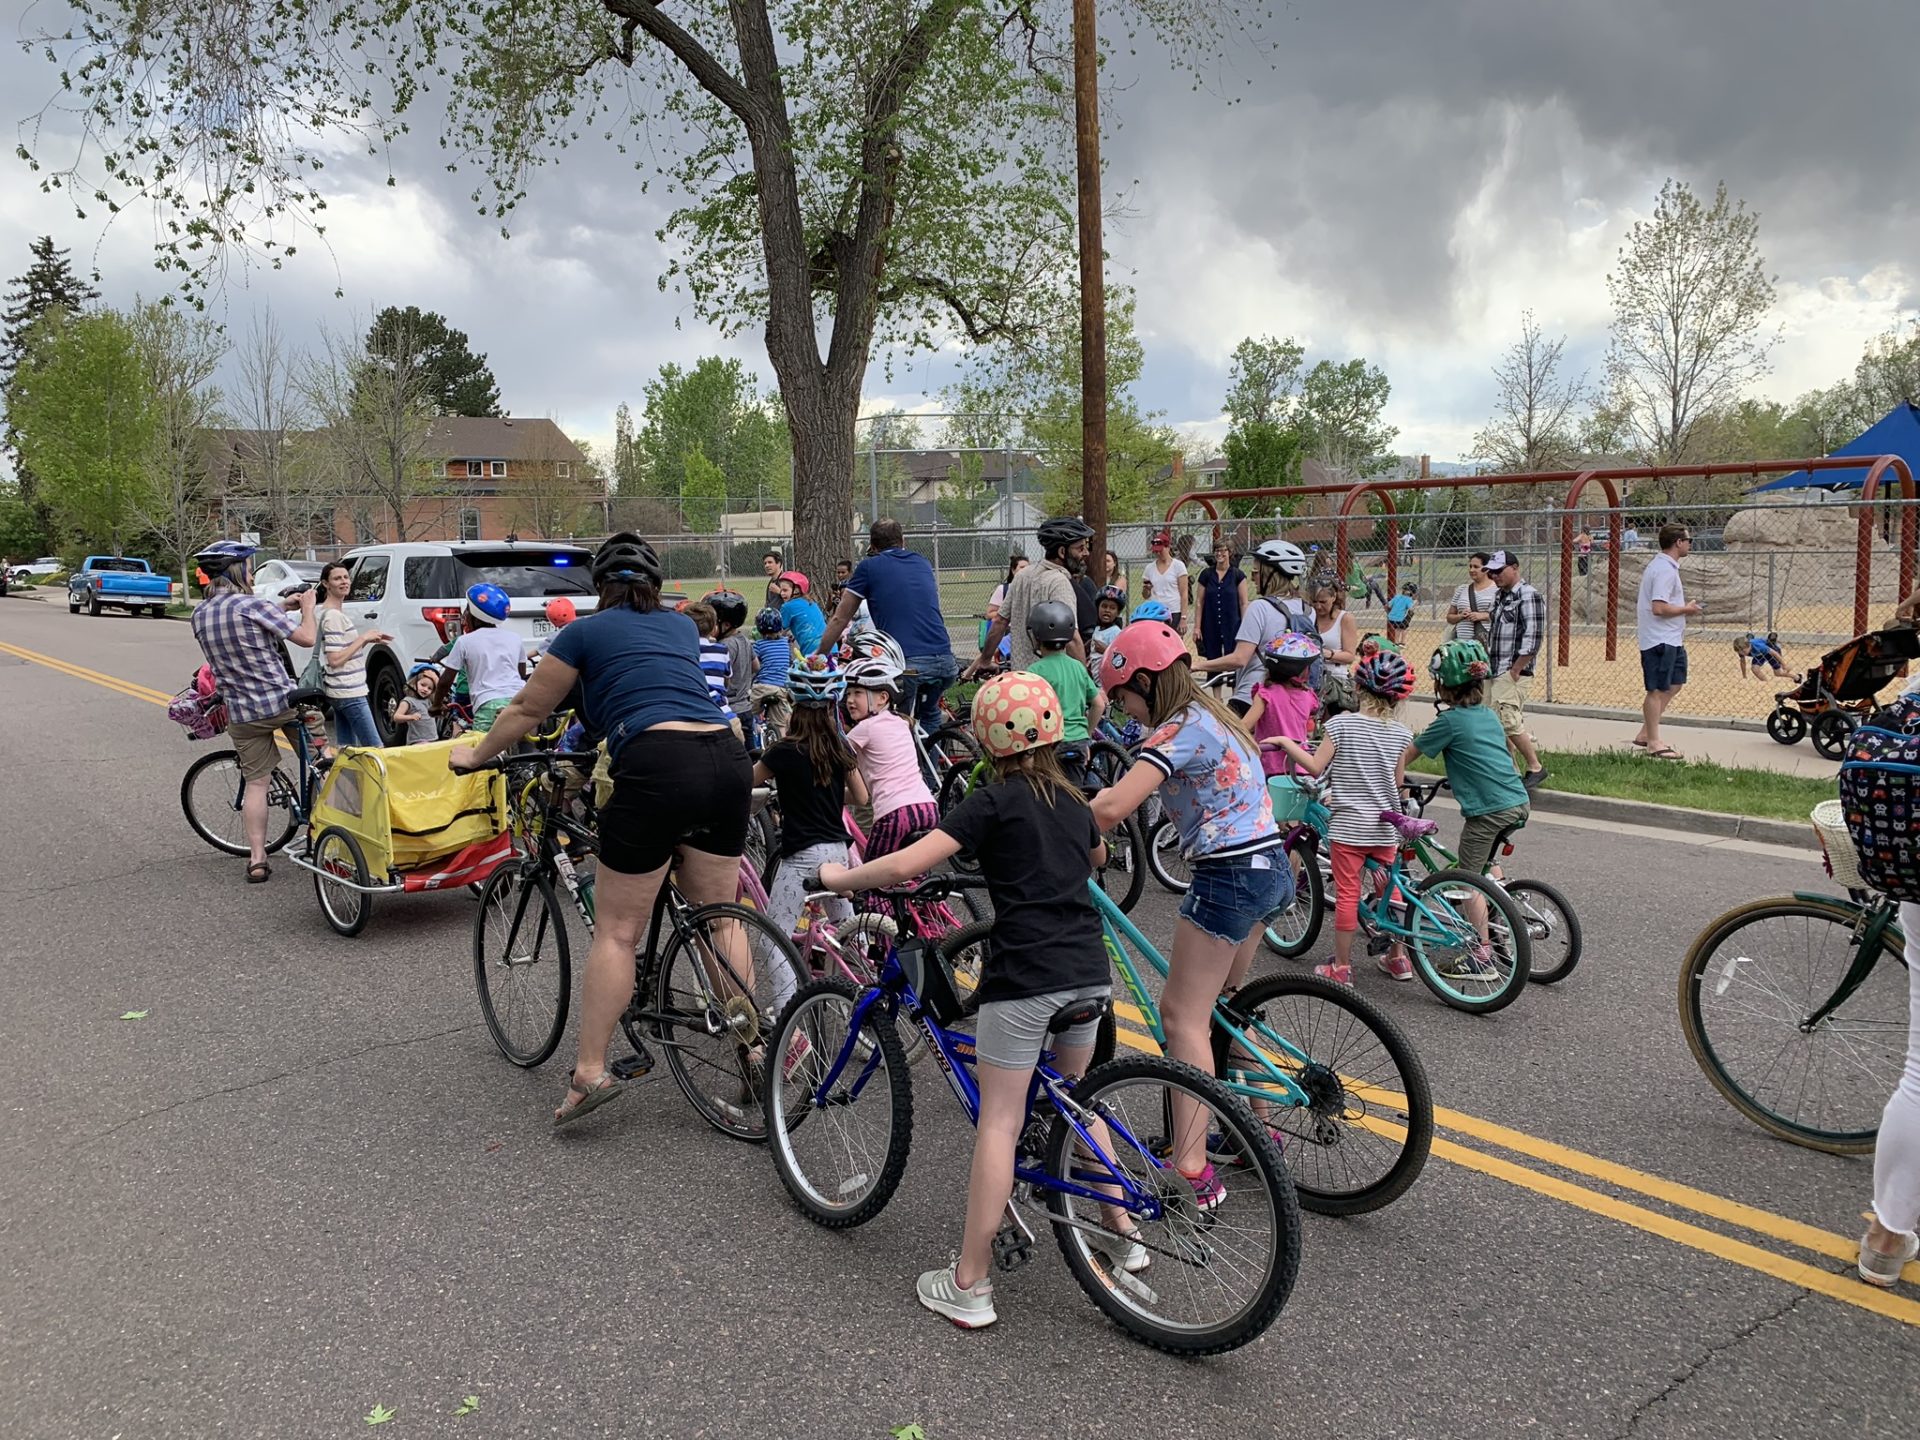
1898,433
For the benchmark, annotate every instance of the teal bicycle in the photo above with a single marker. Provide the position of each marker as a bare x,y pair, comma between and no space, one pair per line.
1330,1075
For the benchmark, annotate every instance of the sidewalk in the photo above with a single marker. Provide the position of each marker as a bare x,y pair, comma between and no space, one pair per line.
1747,749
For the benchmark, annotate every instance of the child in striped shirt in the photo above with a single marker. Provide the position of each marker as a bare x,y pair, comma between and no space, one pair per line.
715,663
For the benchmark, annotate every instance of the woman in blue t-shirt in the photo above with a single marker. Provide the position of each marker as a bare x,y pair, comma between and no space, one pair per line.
682,783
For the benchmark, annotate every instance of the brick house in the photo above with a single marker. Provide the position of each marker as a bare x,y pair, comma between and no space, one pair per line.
481,478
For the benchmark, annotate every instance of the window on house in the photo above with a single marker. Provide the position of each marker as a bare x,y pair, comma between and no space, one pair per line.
469,524
475,469
498,468
563,470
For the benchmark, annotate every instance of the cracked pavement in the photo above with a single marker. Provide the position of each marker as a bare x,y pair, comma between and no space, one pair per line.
306,1184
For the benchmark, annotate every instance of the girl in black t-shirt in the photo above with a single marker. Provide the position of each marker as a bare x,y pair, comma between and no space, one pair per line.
812,773
1034,837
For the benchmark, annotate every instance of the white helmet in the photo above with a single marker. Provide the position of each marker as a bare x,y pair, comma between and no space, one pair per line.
1281,555
872,672
865,640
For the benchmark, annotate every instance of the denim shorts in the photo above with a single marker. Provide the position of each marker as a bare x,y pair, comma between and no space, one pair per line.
1229,897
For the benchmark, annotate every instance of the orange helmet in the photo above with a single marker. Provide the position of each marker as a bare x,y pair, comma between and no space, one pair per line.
1015,712
560,610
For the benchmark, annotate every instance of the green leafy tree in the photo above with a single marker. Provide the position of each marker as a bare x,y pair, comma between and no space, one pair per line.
1264,444
714,408
703,493
1831,417
49,284
886,175
180,353
1340,408
1889,372
1140,445
82,404
629,460
455,380
1690,299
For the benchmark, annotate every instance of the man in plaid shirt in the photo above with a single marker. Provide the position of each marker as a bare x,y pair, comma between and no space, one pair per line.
240,633
1516,629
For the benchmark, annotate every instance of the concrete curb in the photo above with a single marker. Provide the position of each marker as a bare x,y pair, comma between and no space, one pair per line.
1799,835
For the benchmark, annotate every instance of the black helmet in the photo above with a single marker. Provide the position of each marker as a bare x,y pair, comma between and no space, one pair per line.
729,607
626,557
1063,530
1052,622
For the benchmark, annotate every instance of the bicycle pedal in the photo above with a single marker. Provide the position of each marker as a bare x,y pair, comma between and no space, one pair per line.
632,1067
1379,944
1011,1249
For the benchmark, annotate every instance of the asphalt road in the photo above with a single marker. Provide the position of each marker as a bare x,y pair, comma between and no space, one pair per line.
305,1184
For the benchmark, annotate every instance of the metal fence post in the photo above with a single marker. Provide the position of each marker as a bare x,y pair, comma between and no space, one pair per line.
1546,641
1770,624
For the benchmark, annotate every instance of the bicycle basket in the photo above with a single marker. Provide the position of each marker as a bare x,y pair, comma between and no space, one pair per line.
1290,799
1830,824
931,980
202,716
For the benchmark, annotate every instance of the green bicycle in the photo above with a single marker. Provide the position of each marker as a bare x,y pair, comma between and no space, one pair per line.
1325,1070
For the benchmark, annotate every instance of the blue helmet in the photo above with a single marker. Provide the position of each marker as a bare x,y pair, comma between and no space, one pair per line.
488,603
422,668
768,621
815,687
1151,610
221,554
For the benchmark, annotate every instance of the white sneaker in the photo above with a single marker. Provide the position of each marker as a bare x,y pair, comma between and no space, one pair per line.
969,1309
1127,1253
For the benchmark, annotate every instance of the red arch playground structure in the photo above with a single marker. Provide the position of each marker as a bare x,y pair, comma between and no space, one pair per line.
1576,482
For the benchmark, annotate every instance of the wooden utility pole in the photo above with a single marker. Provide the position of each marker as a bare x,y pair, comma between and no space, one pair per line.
1093,283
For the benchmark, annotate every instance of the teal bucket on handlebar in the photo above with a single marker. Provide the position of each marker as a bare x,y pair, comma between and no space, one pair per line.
1290,799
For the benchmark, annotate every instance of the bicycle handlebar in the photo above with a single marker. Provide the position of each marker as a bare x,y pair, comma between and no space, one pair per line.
543,757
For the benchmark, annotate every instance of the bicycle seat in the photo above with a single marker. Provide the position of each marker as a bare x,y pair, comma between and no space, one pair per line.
1081,1012
308,698
1408,826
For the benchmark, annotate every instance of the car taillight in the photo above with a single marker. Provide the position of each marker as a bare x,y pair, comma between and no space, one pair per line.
445,619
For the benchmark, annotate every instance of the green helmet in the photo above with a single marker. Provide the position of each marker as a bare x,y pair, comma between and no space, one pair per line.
1460,662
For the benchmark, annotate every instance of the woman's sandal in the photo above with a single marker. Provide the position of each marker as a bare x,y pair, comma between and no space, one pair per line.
1665,752
259,872
592,1097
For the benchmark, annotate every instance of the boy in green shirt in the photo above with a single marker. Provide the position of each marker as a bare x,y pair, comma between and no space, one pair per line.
1479,765
1051,626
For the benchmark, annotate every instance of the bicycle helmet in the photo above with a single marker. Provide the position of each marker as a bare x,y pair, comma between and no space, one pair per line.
1113,593
795,579
422,668
1372,643
872,672
1145,647
1281,555
488,603
768,622
1460,662
560,611
215,559
1052,622
1385,674
1062,531
865,642
729,607
1289,654
815,687
1152,610
1015,712
626,557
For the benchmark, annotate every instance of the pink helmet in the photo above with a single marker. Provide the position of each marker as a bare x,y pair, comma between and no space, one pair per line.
1015,712
1146,645
796,579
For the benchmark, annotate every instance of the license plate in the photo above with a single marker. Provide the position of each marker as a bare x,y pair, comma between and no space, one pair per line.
543,627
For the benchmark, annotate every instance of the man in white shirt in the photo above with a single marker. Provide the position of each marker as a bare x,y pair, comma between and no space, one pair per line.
1662,612
1165,580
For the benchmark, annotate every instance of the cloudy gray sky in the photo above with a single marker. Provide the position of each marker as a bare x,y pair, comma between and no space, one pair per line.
1398,180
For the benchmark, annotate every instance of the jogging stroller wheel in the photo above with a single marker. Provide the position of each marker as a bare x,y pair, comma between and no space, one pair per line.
1789,727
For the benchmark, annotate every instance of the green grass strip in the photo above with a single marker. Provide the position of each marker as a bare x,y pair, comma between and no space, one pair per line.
1690,784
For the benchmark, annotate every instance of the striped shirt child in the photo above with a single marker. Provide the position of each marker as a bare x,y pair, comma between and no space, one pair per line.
1366,753
717,666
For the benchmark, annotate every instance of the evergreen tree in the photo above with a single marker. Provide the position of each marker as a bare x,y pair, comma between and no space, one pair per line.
457,381
49,284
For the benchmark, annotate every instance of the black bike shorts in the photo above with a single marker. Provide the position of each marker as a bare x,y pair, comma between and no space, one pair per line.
675,787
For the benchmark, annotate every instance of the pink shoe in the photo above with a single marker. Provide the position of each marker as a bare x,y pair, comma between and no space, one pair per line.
1398,966
1339,974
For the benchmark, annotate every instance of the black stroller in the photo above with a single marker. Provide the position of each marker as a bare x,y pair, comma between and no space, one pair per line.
1836,695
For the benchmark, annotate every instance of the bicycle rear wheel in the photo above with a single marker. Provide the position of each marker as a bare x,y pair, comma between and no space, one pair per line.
210,794
725,977
1364,1134
951,748
1169,867
841,1151
1124,875
1290,932
1445,941
522,966
1750,982
1212,1279
1553,930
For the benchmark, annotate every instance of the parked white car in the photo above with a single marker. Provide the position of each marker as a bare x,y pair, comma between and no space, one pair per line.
271,577
417,592
45,565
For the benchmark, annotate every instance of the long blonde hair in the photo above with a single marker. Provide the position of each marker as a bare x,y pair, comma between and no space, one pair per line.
1040,768
1175,690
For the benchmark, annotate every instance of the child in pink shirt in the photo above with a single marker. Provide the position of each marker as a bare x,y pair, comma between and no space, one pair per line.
1283,704
883,752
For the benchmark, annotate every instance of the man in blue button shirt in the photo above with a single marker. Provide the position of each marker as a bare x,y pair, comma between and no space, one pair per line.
901,592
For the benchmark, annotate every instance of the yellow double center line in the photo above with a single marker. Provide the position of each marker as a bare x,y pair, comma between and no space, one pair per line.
1842,1286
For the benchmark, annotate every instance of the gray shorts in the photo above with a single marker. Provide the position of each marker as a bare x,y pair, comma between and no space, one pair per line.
1010,1034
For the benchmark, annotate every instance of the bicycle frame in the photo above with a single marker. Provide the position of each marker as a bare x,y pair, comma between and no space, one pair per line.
1116,928
1375,912
1869,929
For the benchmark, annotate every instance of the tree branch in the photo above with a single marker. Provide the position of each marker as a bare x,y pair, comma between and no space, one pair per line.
980,329
712,76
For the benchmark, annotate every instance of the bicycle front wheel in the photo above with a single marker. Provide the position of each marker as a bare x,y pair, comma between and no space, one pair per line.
840,1150
1446,949
1169,867
1553,930
1185,1280
210,794
522,967
1364,1133
725,977
1750,984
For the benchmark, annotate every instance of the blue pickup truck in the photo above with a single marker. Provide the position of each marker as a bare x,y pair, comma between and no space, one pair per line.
104,581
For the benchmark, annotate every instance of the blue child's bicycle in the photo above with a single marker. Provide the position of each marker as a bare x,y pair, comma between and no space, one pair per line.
1094,1158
